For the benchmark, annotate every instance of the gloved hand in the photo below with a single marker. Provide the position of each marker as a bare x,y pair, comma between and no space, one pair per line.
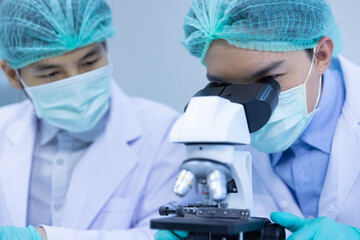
170,235
321,228
16,233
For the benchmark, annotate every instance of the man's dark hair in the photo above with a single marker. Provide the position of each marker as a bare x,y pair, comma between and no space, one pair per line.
310,52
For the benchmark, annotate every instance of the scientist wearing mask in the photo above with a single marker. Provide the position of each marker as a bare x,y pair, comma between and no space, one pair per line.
78,159
306,158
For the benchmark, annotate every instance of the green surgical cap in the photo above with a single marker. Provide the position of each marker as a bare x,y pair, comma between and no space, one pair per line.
34,30
264,25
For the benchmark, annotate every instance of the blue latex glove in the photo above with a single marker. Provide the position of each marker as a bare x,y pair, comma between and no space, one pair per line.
321,228
170,235
16,233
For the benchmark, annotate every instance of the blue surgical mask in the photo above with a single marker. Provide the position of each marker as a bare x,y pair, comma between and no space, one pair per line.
75,104
288,121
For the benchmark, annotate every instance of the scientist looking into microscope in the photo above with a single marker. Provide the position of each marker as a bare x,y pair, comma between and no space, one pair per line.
78,155
306,161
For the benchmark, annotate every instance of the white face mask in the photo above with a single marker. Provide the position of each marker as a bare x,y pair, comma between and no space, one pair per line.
288,121
75,104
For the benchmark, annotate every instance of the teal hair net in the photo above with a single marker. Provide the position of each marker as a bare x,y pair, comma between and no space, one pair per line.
33,30
265,25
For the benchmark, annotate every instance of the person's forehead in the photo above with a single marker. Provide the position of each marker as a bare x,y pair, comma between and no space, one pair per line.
222,53
68,57
222,50
230,62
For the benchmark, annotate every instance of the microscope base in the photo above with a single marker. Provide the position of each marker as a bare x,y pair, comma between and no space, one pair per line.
221,229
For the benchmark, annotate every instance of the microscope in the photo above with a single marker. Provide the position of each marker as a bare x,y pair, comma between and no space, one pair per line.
216,121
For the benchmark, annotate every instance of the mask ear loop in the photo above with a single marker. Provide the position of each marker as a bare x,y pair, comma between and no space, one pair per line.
320,82
20,79
311,67
319,94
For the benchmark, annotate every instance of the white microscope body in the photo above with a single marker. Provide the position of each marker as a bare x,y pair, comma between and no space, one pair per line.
217,120
212,127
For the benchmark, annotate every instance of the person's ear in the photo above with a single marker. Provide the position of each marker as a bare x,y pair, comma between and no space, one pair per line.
323,54
11,75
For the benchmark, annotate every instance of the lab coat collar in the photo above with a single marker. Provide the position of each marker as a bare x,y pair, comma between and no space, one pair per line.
351,71
344,167
15,172
108,161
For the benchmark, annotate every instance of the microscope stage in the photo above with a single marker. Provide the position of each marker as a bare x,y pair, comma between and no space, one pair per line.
209,225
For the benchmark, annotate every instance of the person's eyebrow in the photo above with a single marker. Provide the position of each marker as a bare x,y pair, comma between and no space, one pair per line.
260,73
212,78
43,67
265,70
92,52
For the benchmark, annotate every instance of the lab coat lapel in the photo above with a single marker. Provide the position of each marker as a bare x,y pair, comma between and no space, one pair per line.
277,188
344,165
16,160
106,164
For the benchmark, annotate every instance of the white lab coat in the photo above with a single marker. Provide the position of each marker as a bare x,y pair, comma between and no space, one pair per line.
340,197
121,181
